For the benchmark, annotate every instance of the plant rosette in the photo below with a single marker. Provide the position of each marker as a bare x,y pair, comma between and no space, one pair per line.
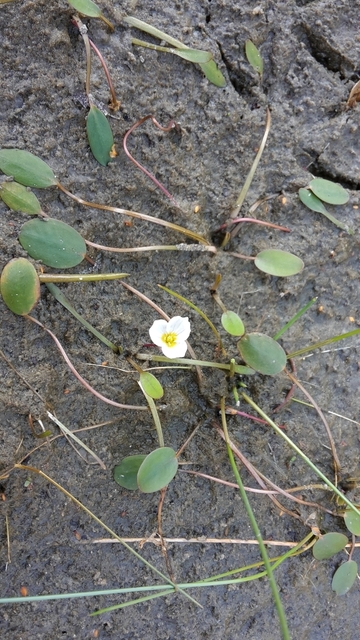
171,336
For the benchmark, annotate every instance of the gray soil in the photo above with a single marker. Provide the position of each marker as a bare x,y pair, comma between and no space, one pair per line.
311,53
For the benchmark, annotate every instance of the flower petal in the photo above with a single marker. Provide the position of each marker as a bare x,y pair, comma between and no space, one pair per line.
177,351
157,330
180,326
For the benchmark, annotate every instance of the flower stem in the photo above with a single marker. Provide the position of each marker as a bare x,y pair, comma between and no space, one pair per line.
255,527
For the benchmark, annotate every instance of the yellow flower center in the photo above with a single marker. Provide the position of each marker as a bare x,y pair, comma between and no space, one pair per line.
169,339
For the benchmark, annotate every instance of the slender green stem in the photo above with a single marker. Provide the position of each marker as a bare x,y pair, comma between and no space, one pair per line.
300,453
256,530
323,343
294,319
237,368
104,526
208,582
155,416
130,603
153,31
59,296
248,181
80,277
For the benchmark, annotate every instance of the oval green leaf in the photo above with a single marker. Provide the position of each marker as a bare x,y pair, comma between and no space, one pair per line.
352,521
309,199
151,385
254,57
312,202
20,286
344,577
262,353
125,473
232,323
328,191
26,168
329,545
213,73
280,263
53,242
86,7
193,55
18,198
99,135
157,470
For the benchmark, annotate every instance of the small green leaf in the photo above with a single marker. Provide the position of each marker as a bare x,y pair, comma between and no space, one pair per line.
312,202
262,353
352,521
330,544
280,263
20,286
232,323
86,7
18,198
328,191
213,73
254,57
125,473
193,55
344,577
99,135
157,470
53,242
151,385
26,168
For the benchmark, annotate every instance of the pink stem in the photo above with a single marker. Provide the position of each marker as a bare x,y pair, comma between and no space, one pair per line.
170,126
79,377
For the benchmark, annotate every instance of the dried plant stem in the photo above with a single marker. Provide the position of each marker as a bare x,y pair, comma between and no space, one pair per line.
135,214
158,247
83,32
253,221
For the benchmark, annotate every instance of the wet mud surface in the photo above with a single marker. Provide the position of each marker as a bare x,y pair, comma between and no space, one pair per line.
311,53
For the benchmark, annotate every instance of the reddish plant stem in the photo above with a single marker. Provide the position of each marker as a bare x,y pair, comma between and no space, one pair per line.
290,393
254,221
230,411
79,377
115,103
170,126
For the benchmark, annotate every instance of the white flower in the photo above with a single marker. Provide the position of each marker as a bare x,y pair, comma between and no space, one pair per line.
171,336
